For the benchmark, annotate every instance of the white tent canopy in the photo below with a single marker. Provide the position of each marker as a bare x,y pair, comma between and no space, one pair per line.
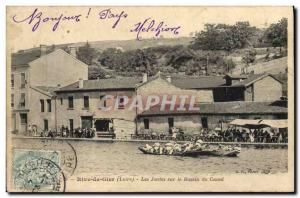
275,123
259,123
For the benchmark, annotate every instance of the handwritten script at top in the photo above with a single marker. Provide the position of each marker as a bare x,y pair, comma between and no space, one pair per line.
37,18
149,25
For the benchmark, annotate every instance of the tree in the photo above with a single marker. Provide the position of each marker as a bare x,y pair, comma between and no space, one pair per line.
223,37
86,54
276,34
178,56
109,57
230,64
249,56
129,61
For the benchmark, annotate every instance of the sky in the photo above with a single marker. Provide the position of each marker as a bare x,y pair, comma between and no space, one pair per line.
177,22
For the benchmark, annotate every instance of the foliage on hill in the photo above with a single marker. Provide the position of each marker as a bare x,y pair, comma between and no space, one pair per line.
209,53
224,37
86,53
276,34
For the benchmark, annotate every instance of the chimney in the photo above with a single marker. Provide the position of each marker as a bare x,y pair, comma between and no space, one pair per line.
80,83
168,78
54,47
43,49
73,51
145,77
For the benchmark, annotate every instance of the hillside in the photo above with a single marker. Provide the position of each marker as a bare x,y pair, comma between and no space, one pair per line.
275,66
134,44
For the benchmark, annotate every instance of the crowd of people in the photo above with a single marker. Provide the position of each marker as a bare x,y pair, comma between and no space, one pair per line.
228,135
65,132
246,135
264,135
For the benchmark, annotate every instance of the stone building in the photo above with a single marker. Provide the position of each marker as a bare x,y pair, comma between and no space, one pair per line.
85,97
254,87
210,116
78,104
35,74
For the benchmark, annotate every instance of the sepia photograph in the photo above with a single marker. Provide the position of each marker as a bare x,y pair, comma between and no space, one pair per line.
150,99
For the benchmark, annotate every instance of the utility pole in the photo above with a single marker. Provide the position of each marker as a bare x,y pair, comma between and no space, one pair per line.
207,60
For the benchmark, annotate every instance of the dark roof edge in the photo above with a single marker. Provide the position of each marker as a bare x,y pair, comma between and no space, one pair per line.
42,92
91,90
201,113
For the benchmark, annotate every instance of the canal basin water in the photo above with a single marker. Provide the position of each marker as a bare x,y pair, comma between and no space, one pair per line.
124,158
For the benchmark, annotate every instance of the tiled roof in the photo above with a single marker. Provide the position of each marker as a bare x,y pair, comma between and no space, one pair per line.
199,82
184,82
50,91
233,76
22,58
251,79
102,84
223,108
242,107
132,82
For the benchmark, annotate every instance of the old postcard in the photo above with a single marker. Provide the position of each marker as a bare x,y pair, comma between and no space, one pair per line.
150,99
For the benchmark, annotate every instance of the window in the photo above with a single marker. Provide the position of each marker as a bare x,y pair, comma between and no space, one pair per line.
12,80
103,101
14,123
71,122
46,125
86,102
121,103
61,101
22,100
23,117
49,105
42,105
146,123
12,100
23,80
71,104
171,122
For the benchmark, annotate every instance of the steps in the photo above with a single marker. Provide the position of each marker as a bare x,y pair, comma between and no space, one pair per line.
105,135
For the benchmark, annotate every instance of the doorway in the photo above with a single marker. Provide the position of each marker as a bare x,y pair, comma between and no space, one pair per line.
46,127
102,125
204,122
23,118
171,122
86,122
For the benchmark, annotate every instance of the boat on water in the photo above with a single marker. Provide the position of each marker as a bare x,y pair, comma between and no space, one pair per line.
194,150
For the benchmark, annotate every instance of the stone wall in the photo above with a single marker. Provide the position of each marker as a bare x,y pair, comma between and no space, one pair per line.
58,67
35,116
122,118
267,89
192,123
